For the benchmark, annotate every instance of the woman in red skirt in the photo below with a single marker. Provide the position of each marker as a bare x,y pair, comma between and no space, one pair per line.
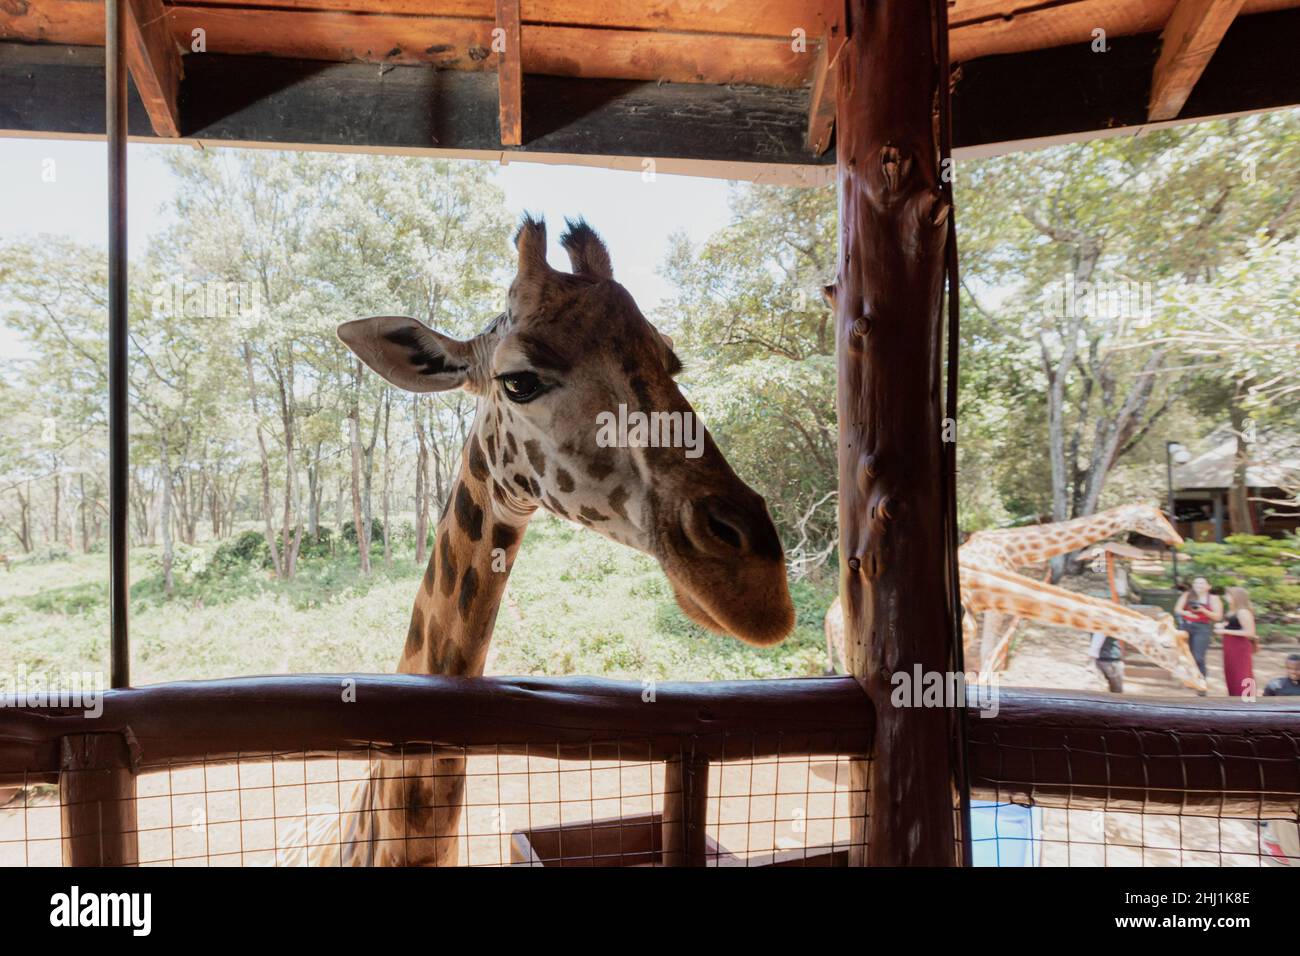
1239,643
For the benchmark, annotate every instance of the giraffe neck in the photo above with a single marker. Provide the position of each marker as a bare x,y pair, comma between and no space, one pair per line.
1030,545
474,549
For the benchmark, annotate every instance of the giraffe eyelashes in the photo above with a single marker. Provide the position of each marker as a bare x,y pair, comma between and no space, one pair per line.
521,387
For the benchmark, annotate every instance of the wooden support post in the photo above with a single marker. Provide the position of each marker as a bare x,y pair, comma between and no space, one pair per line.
510,73
686,800
893,225
1188,41
155,64
97,799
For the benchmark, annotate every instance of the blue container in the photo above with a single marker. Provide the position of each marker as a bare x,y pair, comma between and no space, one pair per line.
1005,834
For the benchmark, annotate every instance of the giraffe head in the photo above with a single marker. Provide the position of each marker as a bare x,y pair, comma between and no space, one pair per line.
579,414
1176,652
1150,521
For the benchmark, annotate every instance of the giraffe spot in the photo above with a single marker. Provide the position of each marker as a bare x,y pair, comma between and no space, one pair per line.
535,488
415,634
564,480
617,500
506,457
498,492
453,662
430,573
419,806
556,507
448,578
601,466
504,536
468,589
491,441
511,443
591,514
536,457
478,466
468,513
522,482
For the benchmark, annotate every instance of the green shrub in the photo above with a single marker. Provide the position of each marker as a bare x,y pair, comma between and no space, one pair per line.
246,549
1268,568
322,546
350,531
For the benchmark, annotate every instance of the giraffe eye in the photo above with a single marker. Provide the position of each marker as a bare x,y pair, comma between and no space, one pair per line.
521,387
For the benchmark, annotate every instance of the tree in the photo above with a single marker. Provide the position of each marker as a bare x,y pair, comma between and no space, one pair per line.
1072,251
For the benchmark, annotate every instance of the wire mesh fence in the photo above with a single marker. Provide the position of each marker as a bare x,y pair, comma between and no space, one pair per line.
1073,780
534,809
261,772
1008,833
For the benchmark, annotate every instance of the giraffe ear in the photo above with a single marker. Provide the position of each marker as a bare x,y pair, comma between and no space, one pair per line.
409,354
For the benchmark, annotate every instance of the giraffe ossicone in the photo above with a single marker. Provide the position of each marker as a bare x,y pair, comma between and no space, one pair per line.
570,349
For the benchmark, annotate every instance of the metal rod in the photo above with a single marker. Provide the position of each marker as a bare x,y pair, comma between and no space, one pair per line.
115,72
1173,515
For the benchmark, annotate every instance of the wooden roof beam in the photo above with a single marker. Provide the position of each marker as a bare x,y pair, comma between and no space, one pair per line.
821,109
510,72
1188,41
155,64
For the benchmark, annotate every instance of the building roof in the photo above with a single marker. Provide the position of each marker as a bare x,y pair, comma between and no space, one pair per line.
1271,462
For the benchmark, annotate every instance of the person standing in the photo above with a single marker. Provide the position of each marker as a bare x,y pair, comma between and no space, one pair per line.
1109,658
1199,611
1239,642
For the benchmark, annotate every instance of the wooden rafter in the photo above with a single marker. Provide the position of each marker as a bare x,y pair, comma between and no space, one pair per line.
449,42
821,108
1187,43
510,73
155,64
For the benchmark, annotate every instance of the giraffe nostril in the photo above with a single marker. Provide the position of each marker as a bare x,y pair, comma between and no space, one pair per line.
724,532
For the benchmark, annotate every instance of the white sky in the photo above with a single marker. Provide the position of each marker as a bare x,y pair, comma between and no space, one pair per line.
635,217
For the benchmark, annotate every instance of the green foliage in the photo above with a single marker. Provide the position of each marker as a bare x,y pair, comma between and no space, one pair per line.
246,549
615,616
1268,568
319,547
759,346
350,531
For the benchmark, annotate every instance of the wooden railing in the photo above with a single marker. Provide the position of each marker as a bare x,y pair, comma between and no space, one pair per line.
1054,748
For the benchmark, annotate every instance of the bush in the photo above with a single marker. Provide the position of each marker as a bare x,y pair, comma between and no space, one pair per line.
322,547
350,531
246,549
55,552
1266,567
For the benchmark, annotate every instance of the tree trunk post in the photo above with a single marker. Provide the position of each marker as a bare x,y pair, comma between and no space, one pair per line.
887,301
97,799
